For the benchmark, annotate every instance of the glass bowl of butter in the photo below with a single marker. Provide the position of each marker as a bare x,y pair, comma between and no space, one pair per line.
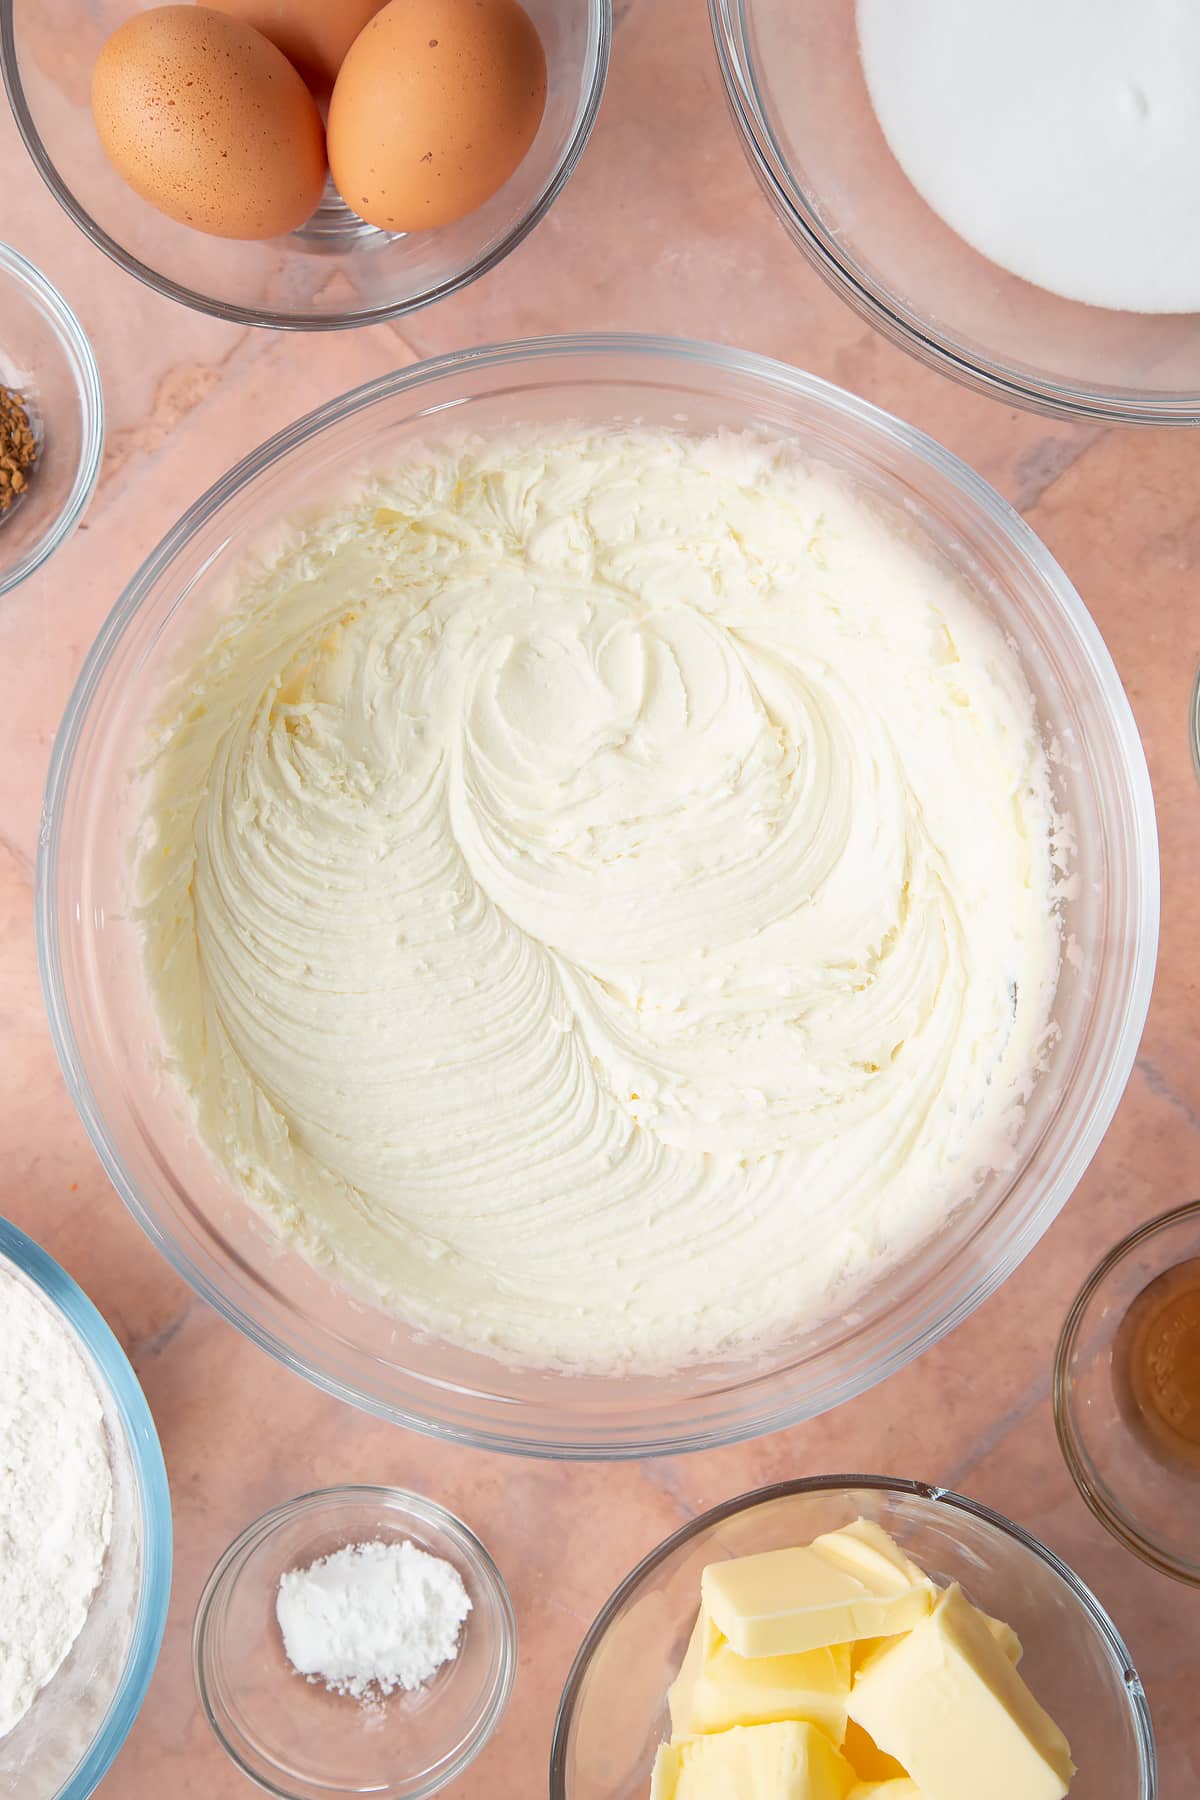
853,1638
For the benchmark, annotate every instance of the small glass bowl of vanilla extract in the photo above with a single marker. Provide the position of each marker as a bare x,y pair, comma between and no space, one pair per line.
1127,1392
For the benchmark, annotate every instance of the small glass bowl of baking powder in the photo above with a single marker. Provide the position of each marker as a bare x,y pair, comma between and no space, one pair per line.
296,1737
47,365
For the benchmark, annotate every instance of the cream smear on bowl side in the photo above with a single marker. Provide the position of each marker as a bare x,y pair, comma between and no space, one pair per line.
1060,138
598,894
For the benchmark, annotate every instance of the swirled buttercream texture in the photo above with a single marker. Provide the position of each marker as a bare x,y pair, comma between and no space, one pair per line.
598,894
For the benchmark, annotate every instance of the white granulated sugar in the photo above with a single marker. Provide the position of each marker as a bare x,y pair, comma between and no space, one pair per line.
55,1496
1060,138
374,1616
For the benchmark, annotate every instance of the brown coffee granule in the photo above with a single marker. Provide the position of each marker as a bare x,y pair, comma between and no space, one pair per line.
18,447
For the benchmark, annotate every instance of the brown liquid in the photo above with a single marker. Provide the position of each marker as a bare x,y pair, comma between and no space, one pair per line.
1156,1360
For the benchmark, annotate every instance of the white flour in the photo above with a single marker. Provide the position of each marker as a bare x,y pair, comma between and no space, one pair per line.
372,1616
55,1496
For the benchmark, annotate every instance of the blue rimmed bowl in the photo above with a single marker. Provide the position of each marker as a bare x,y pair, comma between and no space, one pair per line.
67,1740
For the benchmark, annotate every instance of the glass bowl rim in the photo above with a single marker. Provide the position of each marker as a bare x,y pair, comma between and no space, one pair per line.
484,1566
874,303
781,378
1118,1524
145,1454
838,1484
600,18
81,358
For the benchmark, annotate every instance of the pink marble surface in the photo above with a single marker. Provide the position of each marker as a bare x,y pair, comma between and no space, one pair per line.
663,229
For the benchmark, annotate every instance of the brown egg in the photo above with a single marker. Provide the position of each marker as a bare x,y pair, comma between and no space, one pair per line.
314,35
436,104
209,122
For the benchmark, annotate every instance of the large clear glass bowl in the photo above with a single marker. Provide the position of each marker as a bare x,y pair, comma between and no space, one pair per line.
799,98
613,1712
67,1740
108,1037
335,271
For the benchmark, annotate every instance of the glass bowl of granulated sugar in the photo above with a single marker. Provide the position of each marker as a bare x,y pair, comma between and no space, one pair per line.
1003,189
85,1520
358,1640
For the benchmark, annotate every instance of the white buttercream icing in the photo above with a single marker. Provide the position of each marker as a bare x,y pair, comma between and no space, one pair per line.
599,895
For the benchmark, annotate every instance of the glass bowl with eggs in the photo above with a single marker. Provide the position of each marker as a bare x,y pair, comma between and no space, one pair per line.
292,164
597,895
998,188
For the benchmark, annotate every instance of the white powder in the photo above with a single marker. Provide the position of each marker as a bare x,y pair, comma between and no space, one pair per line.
378,1615
1060,138
55,1496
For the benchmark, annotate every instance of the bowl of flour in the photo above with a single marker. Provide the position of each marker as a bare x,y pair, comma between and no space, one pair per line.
85,1519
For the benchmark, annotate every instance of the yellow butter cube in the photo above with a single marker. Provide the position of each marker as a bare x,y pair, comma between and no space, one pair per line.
1004,1635
716,1688
837,1590
783,1761
948,1704
899,1788
679,1693
867,1551
665,1774
869,1762
865,1545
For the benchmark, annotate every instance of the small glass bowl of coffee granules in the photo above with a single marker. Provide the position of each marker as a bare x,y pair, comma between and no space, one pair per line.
51,419
18,449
